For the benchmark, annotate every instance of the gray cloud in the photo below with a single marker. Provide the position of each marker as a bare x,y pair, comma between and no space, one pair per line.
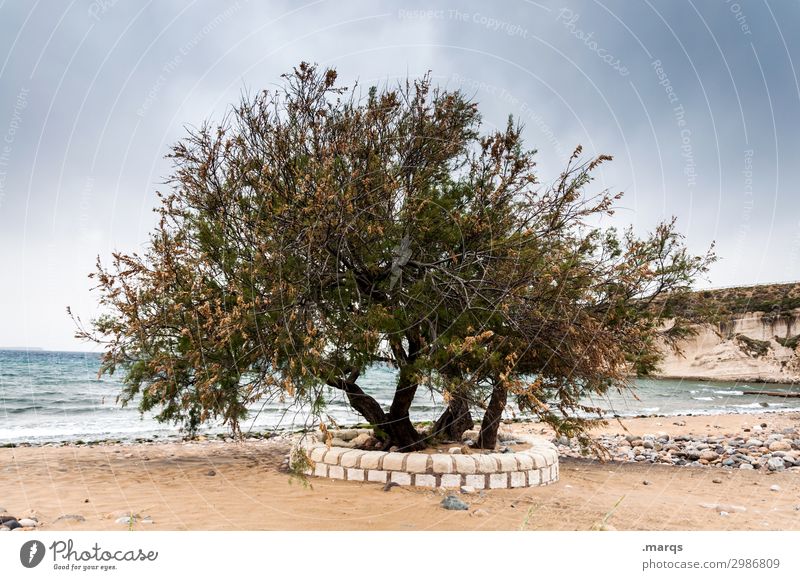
697,102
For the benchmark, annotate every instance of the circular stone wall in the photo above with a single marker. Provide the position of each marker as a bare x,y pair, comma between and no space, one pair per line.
536,465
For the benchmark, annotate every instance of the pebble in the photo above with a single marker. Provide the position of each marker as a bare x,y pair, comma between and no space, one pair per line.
451,502
467,489
70,518
724,507
454,451
480,513
646,482
211,473
780,446
733,450
717,480
776,464
775,488
126,520
28,523
709,455
361,439
12,524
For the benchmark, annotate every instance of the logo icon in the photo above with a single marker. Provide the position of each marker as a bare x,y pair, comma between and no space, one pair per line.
31,553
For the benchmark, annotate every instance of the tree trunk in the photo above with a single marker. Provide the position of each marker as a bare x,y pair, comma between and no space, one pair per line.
402,432
487,437
455,420
394,427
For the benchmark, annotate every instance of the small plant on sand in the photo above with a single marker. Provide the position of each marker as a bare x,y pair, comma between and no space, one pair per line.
317,231
603,525
299,464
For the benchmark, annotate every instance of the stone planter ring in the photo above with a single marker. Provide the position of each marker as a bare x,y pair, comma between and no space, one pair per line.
534,466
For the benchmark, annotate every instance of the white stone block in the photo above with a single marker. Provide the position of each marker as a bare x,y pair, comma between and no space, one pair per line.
393,461
350,459
534,477
498,481
377,476
321,470
317,453
524,461
401,478
371,460
355,474
425,480
333,454
336,472
417,462
464,463
476,481
485,463
451,480
518,479
538,459
507,461
442,463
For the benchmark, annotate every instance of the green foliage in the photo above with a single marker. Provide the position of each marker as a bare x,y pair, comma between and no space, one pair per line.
789,341
753,347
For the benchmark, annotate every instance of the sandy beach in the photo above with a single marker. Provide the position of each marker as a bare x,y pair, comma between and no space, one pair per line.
215,485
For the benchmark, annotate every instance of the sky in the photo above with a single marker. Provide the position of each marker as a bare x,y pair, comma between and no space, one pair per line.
698,102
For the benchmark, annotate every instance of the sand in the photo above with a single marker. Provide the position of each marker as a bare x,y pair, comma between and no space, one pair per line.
239,486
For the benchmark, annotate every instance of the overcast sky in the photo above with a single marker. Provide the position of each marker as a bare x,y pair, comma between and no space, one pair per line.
698,102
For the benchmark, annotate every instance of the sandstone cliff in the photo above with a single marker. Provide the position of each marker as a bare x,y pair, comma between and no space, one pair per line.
751,347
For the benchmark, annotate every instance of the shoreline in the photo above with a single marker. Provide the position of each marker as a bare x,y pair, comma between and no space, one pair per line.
243,485
728,378
281,432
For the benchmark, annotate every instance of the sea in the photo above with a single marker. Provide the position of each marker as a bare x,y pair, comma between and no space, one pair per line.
58,397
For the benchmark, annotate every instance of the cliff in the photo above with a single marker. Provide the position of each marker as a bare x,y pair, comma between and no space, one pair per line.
750,347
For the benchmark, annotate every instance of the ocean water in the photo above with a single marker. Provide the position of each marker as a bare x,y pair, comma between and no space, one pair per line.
56,396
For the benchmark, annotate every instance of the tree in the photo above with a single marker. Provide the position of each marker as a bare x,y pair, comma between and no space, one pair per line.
314,233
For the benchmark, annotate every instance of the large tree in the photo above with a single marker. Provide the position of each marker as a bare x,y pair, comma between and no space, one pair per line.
317,231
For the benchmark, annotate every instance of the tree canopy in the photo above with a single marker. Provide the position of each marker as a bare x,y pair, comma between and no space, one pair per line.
317,231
